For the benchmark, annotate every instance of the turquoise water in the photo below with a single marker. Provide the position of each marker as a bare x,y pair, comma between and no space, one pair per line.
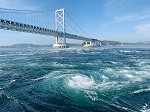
105,79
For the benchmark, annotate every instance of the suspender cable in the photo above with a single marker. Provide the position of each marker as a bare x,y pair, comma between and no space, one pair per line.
77,25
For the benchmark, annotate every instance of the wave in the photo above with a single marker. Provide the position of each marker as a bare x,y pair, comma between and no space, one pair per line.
141,90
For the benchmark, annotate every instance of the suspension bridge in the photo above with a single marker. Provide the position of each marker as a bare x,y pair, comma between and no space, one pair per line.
42,22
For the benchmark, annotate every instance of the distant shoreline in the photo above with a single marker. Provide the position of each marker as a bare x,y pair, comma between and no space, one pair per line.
104,43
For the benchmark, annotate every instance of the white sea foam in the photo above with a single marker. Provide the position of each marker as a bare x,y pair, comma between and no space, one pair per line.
104,78
32,64
142,73
56,75
115,63
109,69
12,81
124,71
43,77
91,94
132,75
106,85
56,64
129,75
145,108
1,55
133,78
80,82
137,79
141,90
126,51
40,78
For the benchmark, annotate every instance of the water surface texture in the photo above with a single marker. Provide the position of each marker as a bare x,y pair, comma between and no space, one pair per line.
105,79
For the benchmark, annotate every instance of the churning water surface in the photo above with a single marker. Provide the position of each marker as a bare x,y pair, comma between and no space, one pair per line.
105,79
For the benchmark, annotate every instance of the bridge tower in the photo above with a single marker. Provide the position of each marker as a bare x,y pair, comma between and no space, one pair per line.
60,26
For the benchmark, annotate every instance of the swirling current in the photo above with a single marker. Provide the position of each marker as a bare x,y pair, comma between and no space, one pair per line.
105,79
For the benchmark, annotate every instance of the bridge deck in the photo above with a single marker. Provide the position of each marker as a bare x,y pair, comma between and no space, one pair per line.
16,26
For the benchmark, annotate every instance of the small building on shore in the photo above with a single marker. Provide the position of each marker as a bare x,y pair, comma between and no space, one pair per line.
91,43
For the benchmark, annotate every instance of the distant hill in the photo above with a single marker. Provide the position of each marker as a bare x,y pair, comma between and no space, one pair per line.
25,46
138,43
32,46
104,43
116,43
110,43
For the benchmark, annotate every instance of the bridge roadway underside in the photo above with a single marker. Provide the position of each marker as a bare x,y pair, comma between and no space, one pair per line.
16,26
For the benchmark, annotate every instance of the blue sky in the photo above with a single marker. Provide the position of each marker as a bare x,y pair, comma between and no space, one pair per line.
120,20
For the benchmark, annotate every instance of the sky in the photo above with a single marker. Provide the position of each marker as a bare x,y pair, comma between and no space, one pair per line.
118,20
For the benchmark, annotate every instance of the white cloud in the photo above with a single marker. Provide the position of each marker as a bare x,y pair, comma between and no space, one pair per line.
126,19
143,31
143,28
131,18
114,7
121,11
111,4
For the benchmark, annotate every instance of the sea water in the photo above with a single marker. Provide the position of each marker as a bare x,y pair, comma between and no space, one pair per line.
104,79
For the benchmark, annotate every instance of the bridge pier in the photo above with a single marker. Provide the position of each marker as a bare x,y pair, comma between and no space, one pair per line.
60,24
60,46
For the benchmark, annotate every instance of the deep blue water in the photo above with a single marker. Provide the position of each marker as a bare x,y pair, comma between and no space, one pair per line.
105,79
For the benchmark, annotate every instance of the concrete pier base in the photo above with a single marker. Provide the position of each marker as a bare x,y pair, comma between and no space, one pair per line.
60,46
